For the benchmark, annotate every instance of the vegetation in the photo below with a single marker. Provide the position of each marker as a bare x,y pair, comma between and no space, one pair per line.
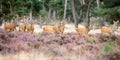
60,45
63,46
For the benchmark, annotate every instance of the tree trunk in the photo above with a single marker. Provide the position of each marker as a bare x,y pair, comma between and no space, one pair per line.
73,13
49,14
101,21
54,15
98,5
30,14
65,8
82,2
41,22
87,21
10,8
80,17
68,19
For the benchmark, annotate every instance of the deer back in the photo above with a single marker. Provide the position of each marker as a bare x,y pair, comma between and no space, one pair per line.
82,30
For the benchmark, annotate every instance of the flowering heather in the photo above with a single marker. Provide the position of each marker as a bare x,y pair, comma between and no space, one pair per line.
82,45
16,41
63,45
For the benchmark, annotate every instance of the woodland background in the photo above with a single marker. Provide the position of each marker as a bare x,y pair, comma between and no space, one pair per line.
52,10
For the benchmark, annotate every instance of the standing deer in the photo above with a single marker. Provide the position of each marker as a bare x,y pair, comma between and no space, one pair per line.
62,26
50,29
82,30
22,27
11,26
30,27
23,23
109,30
55,28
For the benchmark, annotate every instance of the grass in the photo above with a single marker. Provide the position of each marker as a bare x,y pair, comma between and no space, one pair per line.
36,56
26,56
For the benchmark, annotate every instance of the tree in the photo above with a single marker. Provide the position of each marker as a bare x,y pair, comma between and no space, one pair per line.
65,7
87,21
109,10
73,13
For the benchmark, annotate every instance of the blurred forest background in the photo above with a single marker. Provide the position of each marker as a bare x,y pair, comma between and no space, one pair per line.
72,10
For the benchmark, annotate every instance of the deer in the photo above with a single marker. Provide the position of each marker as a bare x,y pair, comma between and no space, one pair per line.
50,29
81,30
11,26
55,28
62,26
109,30
23,23
21,27
30,27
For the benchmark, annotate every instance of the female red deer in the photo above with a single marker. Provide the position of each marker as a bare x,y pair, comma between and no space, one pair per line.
55,28
30,27
23,23
11,26
51,29
82,30
109,30
22,27
62,25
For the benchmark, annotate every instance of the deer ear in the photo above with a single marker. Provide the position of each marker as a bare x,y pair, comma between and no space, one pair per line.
113,21
117,21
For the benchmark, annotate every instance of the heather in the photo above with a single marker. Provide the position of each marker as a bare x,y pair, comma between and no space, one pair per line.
12,42
63,46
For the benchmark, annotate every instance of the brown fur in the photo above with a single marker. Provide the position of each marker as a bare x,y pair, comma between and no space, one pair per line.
82,30
55,28
50,29
30,27
9,26
105,29
21,27
62,26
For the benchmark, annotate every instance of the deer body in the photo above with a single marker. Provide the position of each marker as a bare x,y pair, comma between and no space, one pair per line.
50,29
55,28
9,26
82,30
30,27
21,27
105,29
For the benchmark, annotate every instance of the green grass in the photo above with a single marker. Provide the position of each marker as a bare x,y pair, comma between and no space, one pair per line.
90,41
